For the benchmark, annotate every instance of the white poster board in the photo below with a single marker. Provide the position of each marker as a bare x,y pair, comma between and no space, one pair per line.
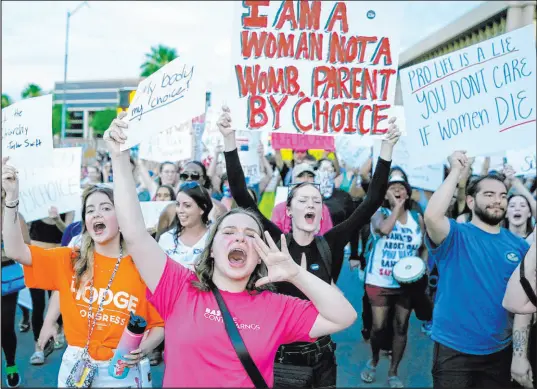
496,163
294,60
247,144
174,94
173,144
27,132
523,161
151,211
480,99
57,185
281,195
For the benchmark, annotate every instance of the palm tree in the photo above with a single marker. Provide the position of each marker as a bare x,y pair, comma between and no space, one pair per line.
32,90
158,57
6,100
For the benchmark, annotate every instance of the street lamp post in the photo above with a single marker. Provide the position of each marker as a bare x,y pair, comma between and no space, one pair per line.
64,108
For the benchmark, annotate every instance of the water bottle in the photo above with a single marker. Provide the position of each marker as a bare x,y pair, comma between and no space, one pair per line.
130,341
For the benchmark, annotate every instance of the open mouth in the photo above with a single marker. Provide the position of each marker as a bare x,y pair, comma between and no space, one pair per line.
99,228
310,217
237,257
517,216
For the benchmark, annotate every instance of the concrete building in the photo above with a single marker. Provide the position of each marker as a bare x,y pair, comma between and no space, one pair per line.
486,21
83,98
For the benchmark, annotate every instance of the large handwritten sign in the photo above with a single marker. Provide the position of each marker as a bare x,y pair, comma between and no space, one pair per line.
523,161
173,144
315,67
480,99
174,94
55,185
27,132
302,142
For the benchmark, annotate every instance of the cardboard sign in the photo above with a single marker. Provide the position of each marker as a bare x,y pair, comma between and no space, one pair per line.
523,161
173,144
353,151
27,132
174,94
302,142
57,185
314,67
480,99
151,211
247,144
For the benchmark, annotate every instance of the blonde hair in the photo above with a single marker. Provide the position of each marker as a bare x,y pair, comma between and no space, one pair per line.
204,266
82,259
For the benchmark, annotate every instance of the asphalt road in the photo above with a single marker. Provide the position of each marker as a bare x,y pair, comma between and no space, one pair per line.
352,352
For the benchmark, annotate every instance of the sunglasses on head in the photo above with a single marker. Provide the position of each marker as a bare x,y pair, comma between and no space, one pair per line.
300,184
192,176
189,185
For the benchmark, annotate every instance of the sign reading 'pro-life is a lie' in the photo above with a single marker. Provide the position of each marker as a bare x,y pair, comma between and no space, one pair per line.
314,67
27,132
172,95
480,99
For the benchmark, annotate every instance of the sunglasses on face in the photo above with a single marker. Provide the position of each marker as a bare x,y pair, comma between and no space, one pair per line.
191,176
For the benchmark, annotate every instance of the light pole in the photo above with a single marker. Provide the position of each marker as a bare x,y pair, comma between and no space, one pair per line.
64,108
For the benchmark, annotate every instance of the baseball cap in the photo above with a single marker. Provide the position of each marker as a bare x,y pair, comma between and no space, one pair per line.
302,168
396,179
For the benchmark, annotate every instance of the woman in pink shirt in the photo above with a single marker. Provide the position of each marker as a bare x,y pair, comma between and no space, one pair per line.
241,265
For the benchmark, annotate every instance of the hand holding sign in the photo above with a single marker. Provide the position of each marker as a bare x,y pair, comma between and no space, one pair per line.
115,135
224,123
509,174
10,180
458,161
53,213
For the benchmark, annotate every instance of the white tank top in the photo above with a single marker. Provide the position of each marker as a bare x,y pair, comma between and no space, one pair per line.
178,251
404,241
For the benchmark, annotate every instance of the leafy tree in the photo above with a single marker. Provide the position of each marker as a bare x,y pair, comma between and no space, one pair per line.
101,120
32,90
158,57
6,100
57,119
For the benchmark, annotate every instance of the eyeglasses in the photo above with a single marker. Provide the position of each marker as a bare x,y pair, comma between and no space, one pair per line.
191,176
189,185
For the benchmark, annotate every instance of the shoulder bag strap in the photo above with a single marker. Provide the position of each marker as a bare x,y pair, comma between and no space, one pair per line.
238,343
326,253
526,284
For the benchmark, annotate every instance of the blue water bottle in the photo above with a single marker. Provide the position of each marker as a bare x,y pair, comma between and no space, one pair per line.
130,341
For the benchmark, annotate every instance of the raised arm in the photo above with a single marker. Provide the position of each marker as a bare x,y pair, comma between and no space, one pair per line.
149,258
436,221
237,181
516,300
12,234
515,183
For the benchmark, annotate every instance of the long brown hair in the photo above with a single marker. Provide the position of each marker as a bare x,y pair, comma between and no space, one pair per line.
205,263
83,256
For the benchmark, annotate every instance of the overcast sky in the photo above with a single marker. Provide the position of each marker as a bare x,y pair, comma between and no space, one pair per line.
108,40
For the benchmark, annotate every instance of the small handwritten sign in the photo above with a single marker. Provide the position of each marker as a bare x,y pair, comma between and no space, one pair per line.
247,144
173,144
56,185
27,132
523,161
301,142
353,151
315,67
174,94
151,211
480,99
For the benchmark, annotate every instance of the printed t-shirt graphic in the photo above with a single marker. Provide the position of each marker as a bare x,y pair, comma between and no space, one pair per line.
52,270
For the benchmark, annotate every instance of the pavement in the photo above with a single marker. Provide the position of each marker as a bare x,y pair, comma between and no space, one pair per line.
352,351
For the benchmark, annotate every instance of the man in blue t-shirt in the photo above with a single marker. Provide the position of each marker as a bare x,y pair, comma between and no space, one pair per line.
471,330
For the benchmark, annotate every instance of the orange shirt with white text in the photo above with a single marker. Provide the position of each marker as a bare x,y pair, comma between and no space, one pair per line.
52,270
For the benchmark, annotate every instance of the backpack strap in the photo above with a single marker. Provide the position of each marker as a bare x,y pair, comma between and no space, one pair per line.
326,253
526,284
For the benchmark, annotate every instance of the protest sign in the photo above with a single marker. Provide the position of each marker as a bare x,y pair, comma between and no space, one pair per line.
173,144
56,185
281,194
480,99
353,151
496,162
174,94
523,161
302,142
151,211
27,132
315,67
247,144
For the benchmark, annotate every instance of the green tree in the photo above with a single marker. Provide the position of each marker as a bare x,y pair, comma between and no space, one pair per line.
101,120
6,100
158,57
57,119
32,90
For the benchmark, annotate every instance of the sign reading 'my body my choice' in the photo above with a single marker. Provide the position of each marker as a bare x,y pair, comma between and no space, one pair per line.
172,95
480,99
338,66
27,132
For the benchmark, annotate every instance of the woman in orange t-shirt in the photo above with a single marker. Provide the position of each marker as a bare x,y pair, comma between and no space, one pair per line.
98,286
